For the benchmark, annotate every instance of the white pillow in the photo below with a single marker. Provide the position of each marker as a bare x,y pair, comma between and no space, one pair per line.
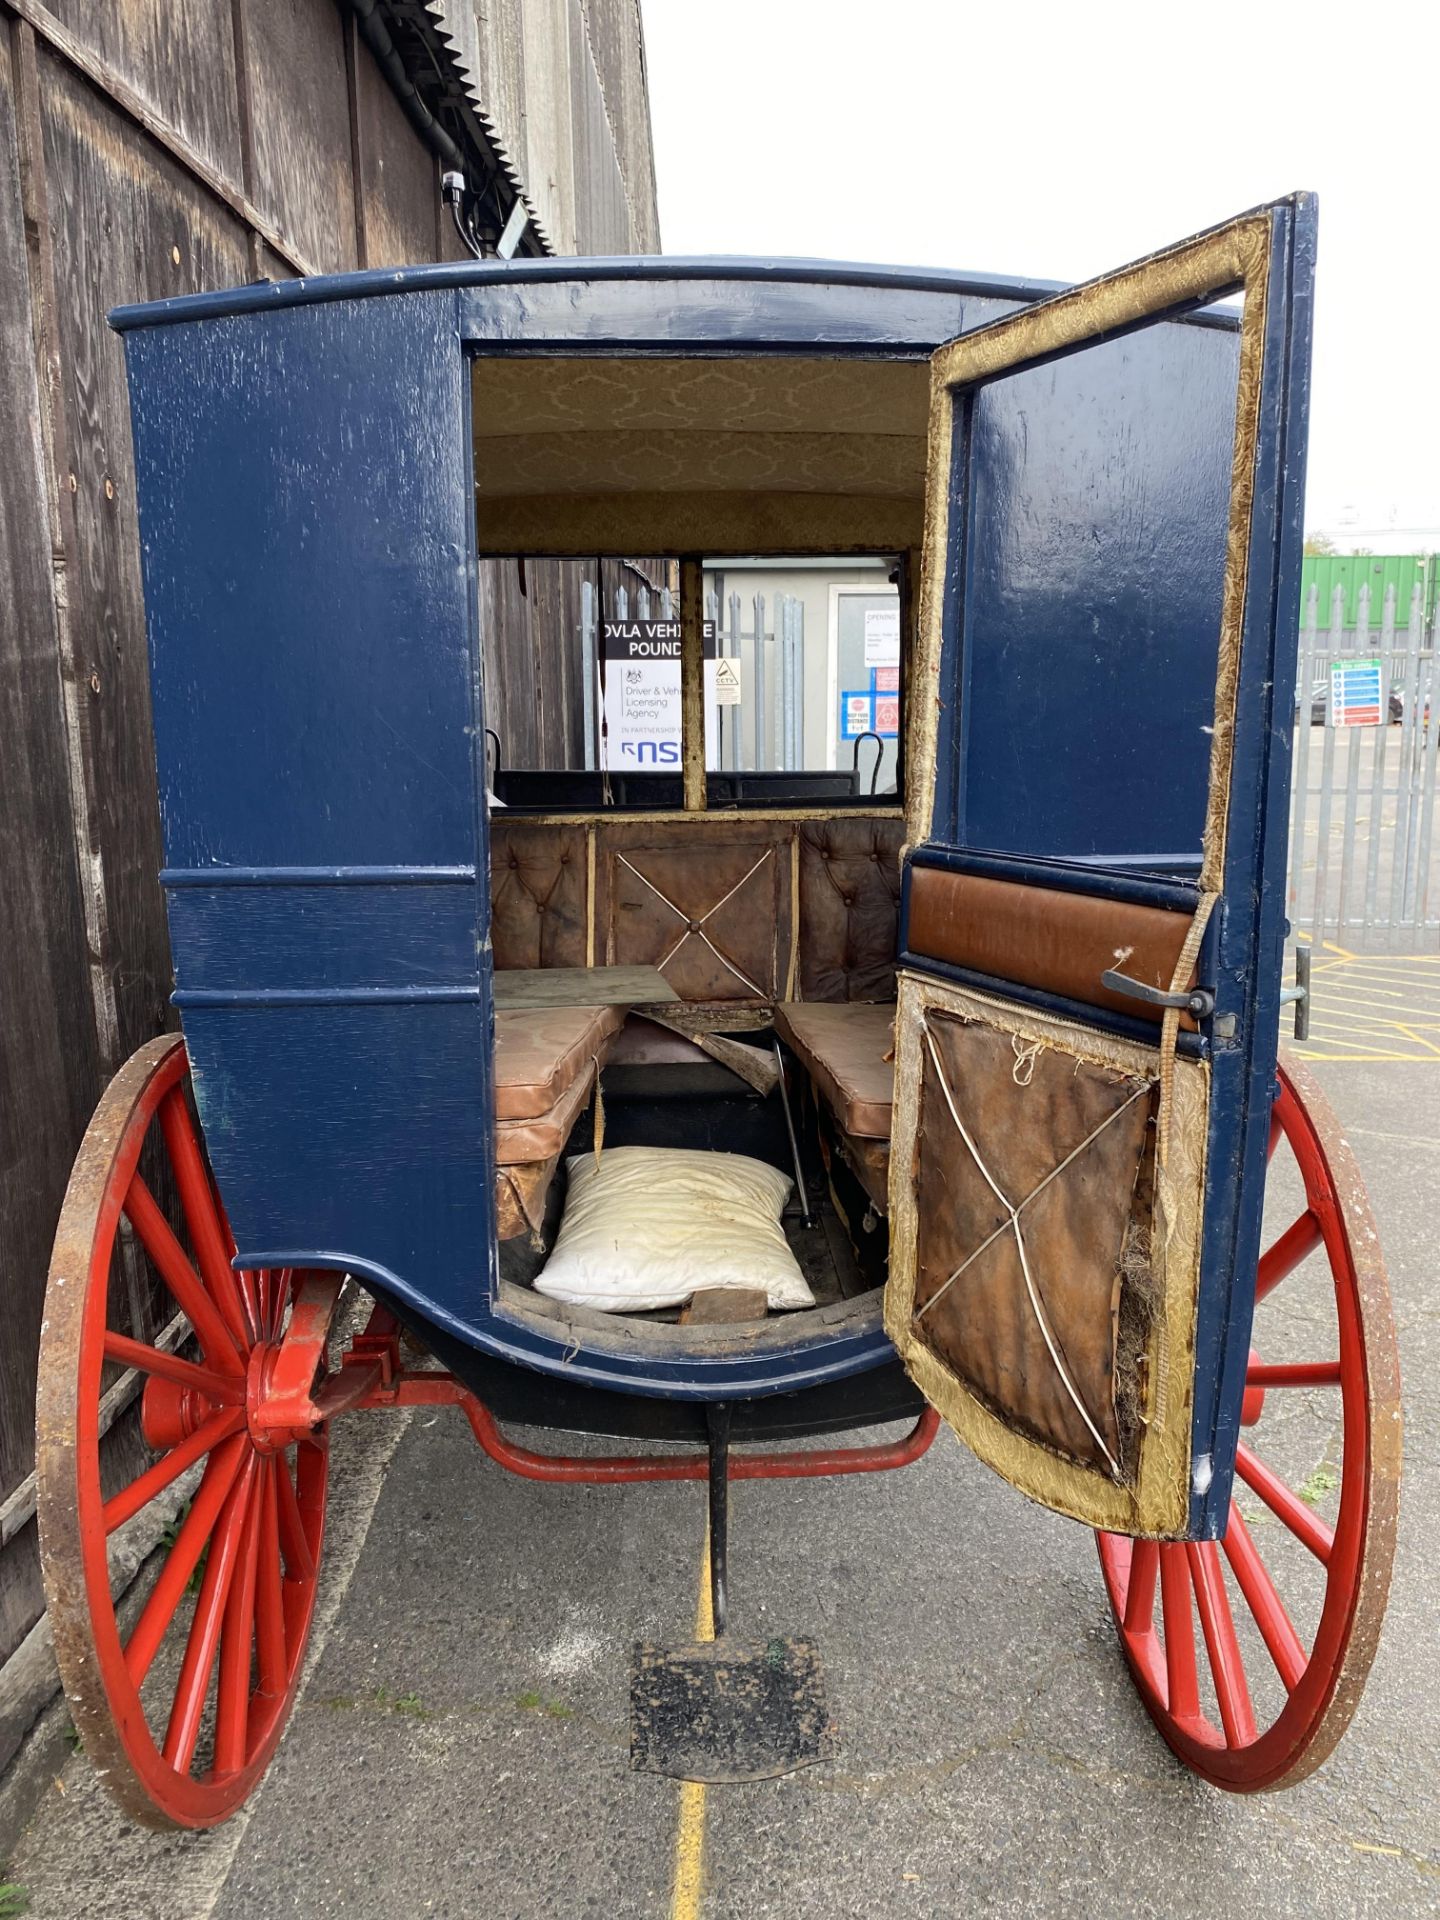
649,1226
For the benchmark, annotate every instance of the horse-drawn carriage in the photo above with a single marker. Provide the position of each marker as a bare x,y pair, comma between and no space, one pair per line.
1005,1032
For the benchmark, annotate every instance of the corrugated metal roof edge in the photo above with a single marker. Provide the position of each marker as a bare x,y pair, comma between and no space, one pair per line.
435,13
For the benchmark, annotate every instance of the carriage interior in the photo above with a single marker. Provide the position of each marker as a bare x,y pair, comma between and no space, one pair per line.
764,885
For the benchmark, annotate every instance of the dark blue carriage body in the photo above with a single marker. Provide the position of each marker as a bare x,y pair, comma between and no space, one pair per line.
309,540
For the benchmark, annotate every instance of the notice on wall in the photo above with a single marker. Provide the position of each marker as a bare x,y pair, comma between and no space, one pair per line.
726,677
882,636
863,710
640,693
1355,693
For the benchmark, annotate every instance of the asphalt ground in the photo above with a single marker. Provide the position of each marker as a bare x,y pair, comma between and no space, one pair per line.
461,1744
1372,1007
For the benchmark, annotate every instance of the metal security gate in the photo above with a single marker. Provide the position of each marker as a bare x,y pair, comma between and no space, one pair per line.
763,732
1364,859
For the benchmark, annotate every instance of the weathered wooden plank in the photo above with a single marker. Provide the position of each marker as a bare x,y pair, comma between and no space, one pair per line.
48,1066
602,216
300,121
724,1306
616,41
517,987
500,75
179,60
128,225
398,187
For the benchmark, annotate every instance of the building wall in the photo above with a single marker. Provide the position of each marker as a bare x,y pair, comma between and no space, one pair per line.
563,82
151,150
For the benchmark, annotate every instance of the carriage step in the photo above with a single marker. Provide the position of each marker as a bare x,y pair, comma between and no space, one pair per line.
721,1713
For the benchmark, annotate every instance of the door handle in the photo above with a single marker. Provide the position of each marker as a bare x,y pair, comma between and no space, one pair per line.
1198,1002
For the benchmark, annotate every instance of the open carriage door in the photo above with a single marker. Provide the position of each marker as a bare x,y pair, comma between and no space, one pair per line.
1093,918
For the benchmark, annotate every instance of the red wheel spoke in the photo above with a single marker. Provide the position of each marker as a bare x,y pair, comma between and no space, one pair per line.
140,1492
186,1288
183,1558
269,1598
249,1282
1183,1682
1298,1373
1307,1526
222,1628
1140,1594
1227,1665
232,1690
299,1562
282,1282
210,1240
1301,1237
203,1642
170,1366
1286,1730
1266,1607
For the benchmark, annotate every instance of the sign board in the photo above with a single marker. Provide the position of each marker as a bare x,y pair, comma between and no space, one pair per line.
882,636
727,682
1356,694
863,710
640,693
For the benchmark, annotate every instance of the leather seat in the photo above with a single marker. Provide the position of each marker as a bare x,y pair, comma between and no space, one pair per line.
540,1052
845,1048
546,1061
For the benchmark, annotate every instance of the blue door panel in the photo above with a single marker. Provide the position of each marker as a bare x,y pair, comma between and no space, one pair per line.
1099,486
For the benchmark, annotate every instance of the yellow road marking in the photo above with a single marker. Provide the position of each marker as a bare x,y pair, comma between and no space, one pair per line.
1374,1008
689,1881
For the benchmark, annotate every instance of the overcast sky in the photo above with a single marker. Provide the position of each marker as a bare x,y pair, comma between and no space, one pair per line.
1062,140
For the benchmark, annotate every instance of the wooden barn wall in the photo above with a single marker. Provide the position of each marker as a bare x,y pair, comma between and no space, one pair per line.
146,150
530,613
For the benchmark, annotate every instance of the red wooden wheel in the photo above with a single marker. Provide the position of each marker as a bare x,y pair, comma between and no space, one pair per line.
1250,1689
181,1712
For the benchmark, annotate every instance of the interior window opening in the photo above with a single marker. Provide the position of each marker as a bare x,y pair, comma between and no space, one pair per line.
802,668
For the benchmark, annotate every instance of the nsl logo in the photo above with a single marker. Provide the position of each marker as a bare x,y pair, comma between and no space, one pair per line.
664,752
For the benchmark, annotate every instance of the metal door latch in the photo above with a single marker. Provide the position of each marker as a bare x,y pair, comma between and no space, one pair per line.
1199,1002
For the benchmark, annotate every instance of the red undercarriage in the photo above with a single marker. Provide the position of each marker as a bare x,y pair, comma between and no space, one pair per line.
289,1396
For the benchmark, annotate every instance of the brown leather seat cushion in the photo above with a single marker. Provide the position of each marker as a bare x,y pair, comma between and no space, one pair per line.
843,1045
540,1052
518,1142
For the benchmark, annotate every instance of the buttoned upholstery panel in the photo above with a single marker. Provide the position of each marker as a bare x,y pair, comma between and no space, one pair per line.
538,900
849,908
731,909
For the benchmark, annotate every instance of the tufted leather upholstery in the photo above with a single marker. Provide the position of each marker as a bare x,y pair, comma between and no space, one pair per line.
849,907
537,893
712,901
